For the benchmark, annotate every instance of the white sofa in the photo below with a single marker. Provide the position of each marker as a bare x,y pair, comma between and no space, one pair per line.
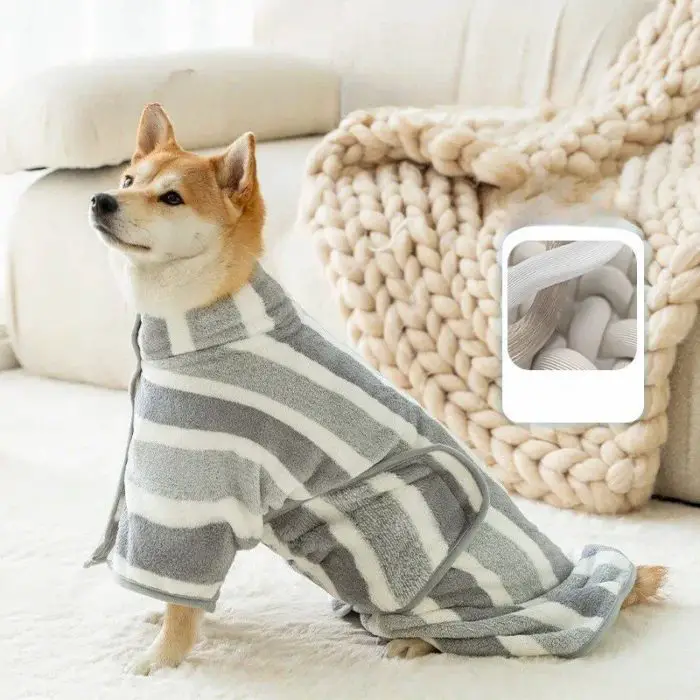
313,61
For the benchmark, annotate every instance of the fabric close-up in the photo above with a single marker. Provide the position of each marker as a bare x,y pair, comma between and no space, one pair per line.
572,305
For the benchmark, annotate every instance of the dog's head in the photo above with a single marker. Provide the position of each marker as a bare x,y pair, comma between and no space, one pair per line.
173,205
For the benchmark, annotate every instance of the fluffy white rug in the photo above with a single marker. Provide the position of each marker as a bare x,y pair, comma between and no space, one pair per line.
66,633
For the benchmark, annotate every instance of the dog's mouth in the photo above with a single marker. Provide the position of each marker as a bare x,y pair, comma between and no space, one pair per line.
111,238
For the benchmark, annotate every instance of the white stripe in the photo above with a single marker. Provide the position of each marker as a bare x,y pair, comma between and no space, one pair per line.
179,335
364,556
313,570
163,583
252,310
175,513
523,645
458,471
613,586
489,581
508,529
350,460
558,615
431,613
201,440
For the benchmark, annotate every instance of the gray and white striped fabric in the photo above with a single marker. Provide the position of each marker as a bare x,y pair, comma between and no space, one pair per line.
250,425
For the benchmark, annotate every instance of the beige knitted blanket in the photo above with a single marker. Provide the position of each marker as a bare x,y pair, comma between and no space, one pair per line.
446,186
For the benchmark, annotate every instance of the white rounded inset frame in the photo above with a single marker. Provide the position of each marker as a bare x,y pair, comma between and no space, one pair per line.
572,396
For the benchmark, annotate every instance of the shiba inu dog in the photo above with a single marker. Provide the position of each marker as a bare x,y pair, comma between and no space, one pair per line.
250,425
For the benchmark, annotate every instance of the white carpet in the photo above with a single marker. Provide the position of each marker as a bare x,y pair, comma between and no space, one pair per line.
66,633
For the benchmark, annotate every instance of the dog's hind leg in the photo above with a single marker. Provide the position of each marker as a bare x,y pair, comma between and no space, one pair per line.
176,638
409,648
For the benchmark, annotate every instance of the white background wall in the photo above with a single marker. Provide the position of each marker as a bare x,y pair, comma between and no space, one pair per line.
39,33
36,34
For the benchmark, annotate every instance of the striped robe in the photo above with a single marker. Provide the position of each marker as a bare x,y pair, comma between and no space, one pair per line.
250,425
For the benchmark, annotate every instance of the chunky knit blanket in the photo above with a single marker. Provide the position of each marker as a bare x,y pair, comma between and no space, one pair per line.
446,186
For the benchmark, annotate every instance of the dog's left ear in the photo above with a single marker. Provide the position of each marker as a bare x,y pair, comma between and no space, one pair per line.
236,169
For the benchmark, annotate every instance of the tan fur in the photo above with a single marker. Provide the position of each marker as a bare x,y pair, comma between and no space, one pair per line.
648,588
174,258
240,216
409,648
177,636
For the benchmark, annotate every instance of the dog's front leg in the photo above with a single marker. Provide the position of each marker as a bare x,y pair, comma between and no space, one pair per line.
176,638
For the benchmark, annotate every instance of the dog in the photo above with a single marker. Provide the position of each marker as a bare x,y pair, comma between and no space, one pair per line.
251,425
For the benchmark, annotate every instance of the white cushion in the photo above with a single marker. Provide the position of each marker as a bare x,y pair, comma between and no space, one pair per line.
470,52
86,116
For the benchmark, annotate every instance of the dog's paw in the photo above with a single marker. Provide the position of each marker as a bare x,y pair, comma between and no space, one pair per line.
148,664
408,648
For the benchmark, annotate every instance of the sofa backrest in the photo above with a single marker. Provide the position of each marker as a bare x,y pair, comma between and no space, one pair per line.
505,53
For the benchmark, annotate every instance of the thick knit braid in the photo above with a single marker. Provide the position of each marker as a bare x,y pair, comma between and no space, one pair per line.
426,310
585,323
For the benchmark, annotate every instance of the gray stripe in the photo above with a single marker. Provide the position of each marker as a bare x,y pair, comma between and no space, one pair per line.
560,563
458,586
526,585
563,642
196,475
487,646
291,527
200,555
153,338
340,568
308,537
213,327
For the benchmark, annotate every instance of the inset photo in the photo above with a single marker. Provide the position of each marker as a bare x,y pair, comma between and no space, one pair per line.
573,323
572,305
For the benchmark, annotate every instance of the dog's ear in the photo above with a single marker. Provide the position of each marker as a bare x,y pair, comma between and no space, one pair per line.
155,131
236,168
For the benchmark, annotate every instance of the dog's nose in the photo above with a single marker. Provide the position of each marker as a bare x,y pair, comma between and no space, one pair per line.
104,204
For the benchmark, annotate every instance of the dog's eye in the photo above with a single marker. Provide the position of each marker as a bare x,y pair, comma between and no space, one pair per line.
172,198
127,181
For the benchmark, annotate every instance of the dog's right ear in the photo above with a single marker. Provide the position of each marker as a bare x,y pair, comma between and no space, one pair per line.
155,131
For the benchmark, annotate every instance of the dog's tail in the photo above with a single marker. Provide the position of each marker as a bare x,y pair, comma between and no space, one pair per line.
648,588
